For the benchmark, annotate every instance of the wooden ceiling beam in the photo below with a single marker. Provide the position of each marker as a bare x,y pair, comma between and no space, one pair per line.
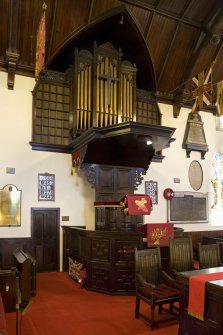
12,53
167,14
211,24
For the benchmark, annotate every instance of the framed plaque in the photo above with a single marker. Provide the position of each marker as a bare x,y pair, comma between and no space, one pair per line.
46,187
195,175
10,206
151,189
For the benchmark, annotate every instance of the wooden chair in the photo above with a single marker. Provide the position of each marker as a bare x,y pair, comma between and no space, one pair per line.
209,255
220,244
154,286
181,257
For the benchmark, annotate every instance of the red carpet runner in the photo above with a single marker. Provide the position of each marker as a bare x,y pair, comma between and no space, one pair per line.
61,307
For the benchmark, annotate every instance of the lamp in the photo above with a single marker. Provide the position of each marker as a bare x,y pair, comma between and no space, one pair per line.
145,139
149,141
121,20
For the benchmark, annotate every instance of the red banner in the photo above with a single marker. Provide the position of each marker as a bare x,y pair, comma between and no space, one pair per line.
139,204
40,44
158,234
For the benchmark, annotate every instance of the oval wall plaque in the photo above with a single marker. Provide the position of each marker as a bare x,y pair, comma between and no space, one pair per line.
195,175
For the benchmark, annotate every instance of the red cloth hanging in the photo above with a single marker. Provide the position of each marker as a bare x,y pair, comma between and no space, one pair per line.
197,293
139,204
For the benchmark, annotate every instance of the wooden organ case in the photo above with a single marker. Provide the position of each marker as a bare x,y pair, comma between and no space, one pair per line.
97,90
104,88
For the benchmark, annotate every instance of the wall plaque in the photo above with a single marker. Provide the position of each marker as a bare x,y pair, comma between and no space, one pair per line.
194,137
195,175
189,207
10,206
151,189
46,187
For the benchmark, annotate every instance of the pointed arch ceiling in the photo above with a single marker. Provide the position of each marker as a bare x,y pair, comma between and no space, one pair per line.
119,28
182,37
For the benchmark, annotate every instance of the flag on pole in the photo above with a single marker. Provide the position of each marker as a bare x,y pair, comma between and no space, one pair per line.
40,43
220,98
202,89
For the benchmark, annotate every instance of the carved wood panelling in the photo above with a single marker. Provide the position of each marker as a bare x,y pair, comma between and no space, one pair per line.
8,246
51,113
100,250
125,280
100,277
109,258
124,251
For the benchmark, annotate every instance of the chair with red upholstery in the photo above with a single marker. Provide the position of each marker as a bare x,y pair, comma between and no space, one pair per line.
154,286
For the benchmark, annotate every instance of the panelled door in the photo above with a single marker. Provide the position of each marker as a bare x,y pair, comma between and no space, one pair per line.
45,236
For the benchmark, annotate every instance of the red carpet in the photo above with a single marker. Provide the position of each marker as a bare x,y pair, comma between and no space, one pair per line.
62,307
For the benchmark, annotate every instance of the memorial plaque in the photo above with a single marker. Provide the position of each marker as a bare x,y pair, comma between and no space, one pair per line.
195,175
10,206
189,207
194,137
46,187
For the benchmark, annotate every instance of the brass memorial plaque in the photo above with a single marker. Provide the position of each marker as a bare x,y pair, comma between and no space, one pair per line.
10,206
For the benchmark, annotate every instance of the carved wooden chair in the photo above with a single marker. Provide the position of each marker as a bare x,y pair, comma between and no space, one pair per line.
209,255
181,257
220,244
154,286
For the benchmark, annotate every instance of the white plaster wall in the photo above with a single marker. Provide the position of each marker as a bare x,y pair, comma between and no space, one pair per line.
73,195
176,165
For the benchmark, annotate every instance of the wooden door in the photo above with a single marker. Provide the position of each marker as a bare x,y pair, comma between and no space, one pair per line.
45,236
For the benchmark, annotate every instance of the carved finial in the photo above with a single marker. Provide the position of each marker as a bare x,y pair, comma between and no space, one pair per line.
44,6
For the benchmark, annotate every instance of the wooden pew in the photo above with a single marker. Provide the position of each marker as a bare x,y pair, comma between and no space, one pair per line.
3,330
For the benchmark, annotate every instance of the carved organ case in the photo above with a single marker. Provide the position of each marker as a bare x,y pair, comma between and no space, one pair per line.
104,88
97,90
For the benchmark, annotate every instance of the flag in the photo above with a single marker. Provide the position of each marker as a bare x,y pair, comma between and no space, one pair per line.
202,89
40,43
220,98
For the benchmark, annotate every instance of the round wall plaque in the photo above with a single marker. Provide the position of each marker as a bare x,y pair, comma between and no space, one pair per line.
195,175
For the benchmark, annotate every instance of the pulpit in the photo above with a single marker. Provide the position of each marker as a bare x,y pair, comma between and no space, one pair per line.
107,256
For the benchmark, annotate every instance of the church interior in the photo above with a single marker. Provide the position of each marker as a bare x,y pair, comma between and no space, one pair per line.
112,116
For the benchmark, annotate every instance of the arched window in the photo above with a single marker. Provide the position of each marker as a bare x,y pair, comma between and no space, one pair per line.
216,195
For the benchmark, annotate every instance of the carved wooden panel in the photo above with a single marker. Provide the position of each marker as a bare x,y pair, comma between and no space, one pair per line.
113,218
147,109
100,276
124,251
100,250
125,280
105,182
51,111
8,246
124,181
113,182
